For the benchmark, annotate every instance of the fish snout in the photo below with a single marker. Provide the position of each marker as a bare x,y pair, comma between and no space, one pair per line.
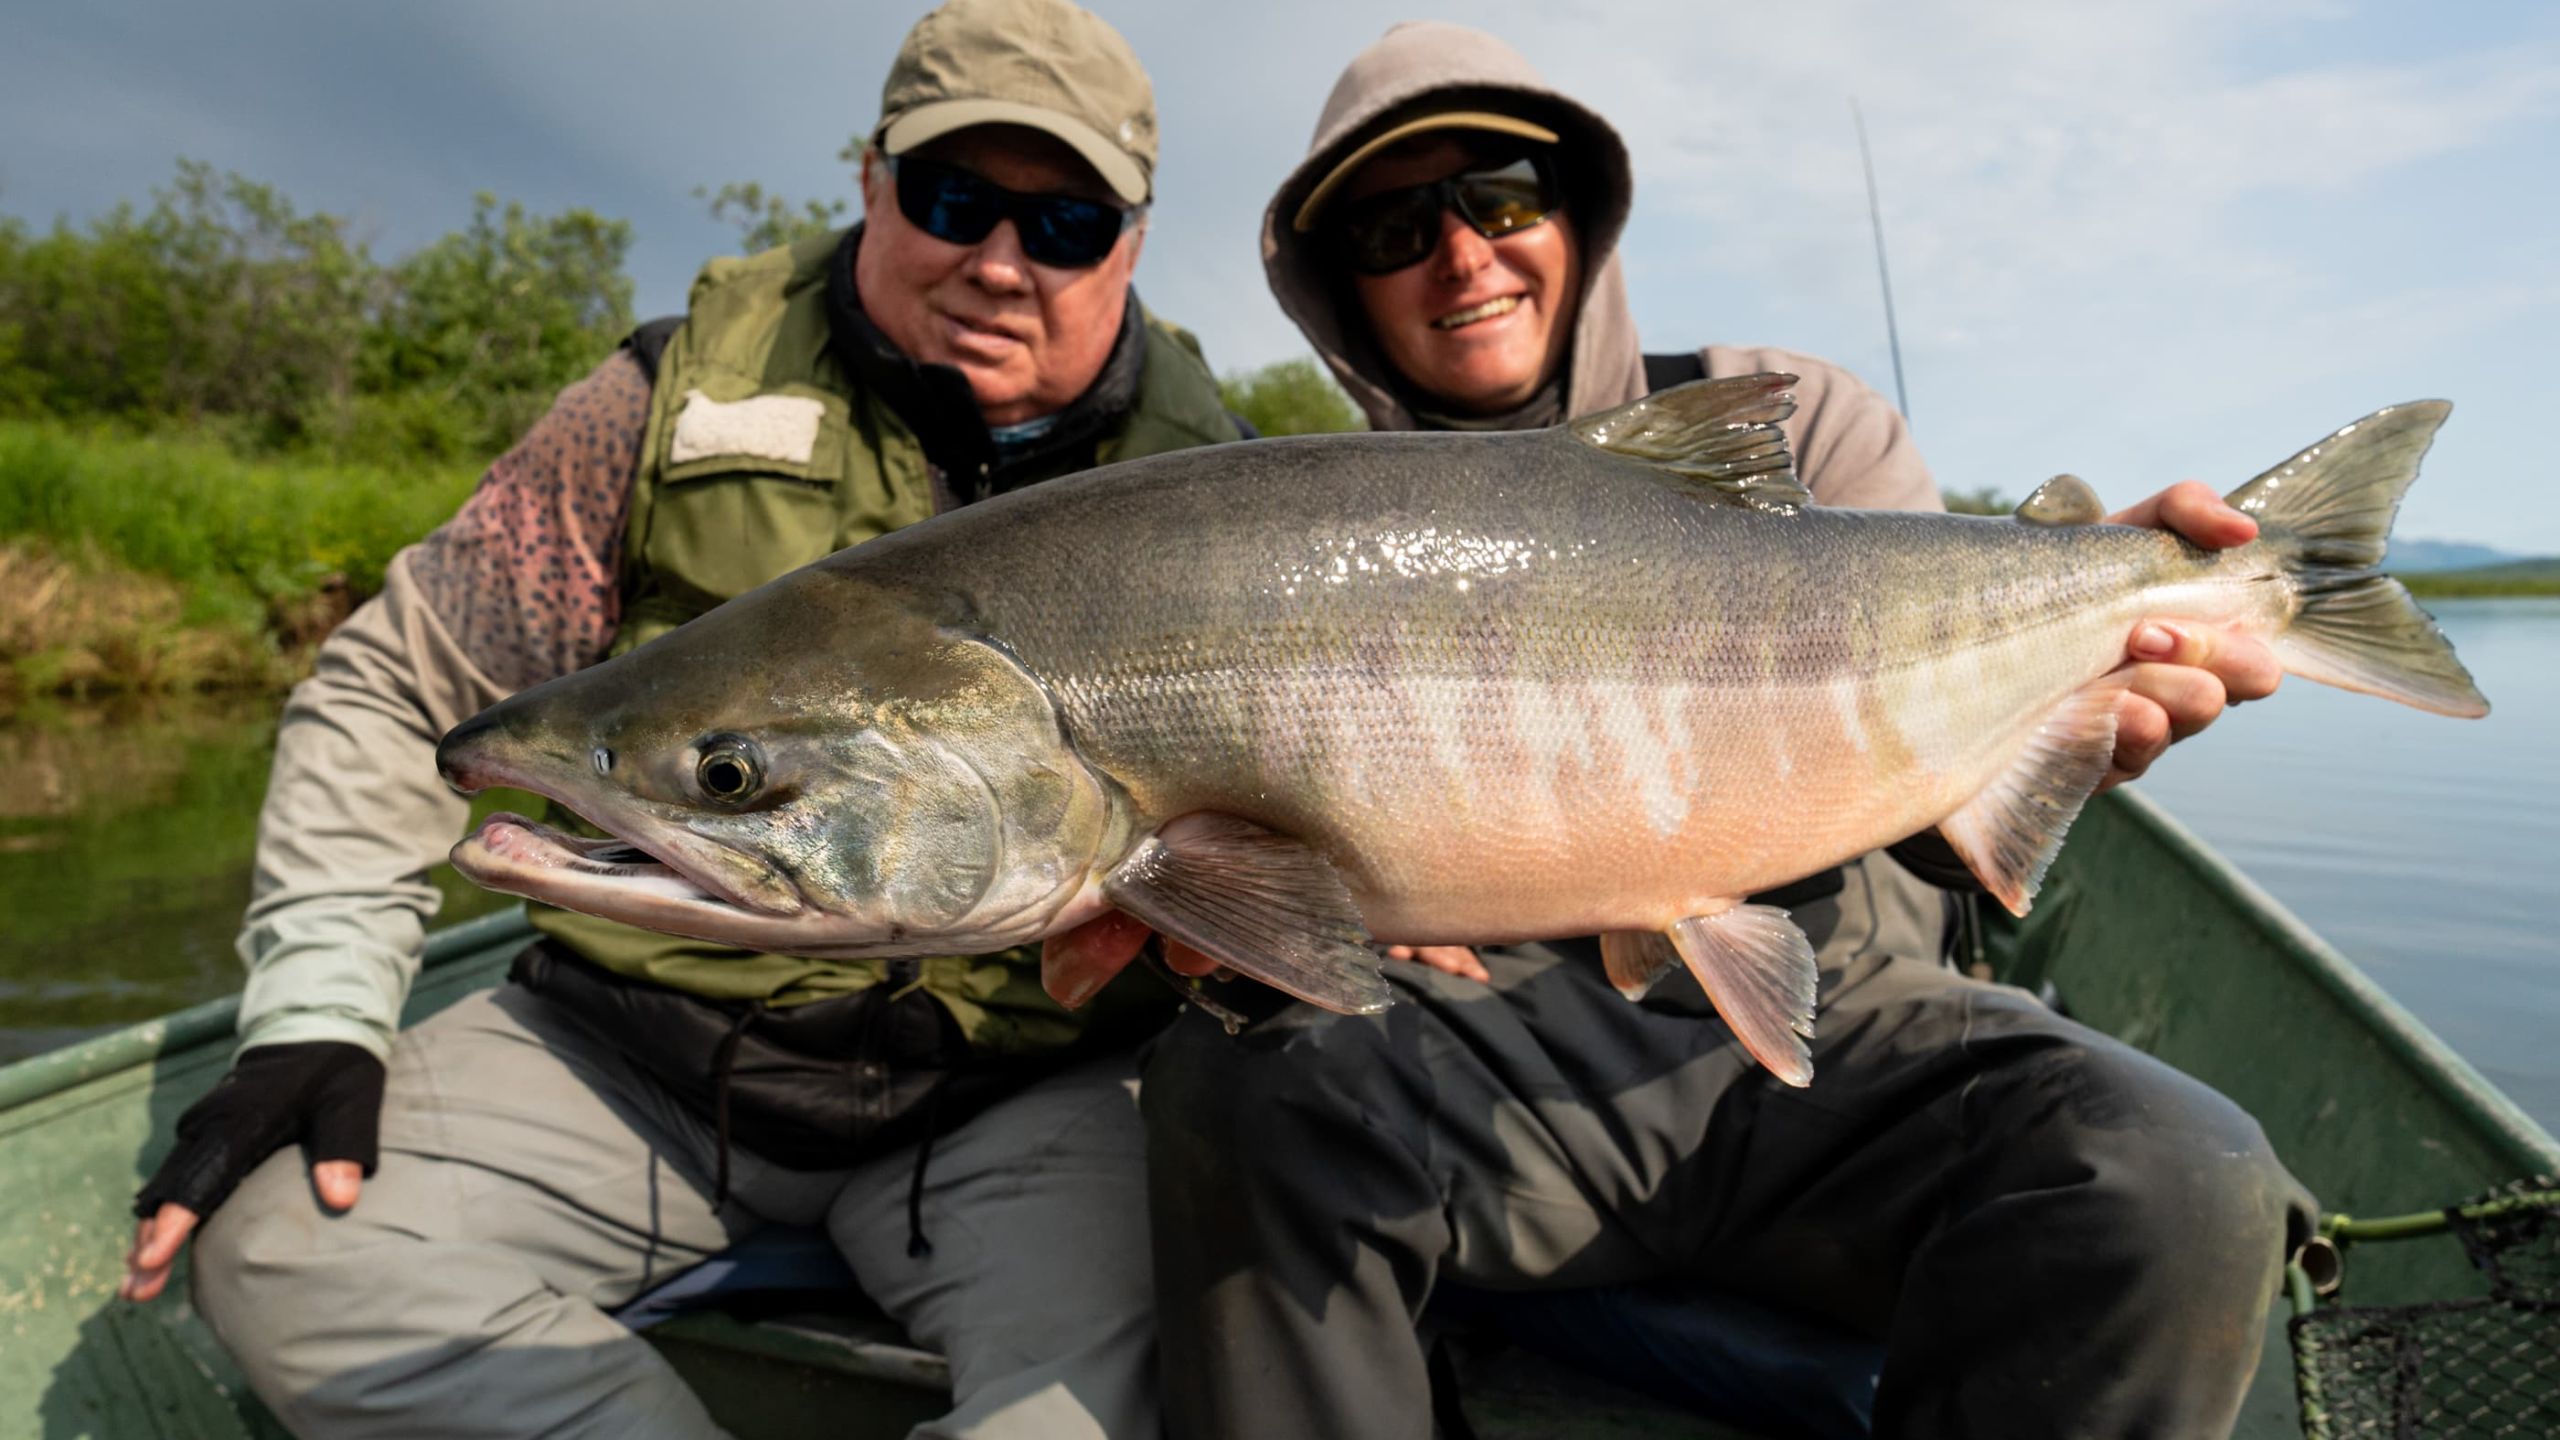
467,755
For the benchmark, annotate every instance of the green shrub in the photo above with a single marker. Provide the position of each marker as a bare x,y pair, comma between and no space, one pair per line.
222,307
1291,397
486,324
221,299
765,219
1981,500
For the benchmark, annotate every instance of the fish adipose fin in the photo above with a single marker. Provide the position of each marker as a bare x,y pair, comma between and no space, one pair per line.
1259,903
1636,960
1758,969
2062,500
1720,436
2328,513
2009,834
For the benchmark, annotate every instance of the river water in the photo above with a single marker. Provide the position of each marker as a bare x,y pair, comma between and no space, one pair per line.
2427,849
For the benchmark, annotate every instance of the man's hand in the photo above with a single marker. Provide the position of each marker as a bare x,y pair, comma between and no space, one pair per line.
324,1094
2185,674
1078,963
1455,960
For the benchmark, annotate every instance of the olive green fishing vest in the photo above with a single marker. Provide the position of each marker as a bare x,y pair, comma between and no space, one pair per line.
720,508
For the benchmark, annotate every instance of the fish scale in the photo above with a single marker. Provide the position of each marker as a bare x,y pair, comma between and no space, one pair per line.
1285,698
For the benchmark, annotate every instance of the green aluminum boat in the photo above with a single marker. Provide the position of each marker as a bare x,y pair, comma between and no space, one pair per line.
2142,930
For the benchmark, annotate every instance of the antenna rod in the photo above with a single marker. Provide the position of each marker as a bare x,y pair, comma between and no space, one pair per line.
1884,276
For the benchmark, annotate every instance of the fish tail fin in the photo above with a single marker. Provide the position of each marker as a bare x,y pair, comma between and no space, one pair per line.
2328,513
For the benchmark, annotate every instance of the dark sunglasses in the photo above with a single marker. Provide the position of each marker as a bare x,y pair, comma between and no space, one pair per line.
1383,233
949,203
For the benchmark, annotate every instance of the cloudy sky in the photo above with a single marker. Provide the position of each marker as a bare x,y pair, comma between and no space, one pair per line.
2136,241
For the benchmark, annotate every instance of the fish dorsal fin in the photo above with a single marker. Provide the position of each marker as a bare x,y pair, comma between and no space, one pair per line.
1721,436
1257,902
2009,834
2062,500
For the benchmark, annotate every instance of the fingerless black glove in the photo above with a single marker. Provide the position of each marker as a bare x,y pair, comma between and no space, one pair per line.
324,1093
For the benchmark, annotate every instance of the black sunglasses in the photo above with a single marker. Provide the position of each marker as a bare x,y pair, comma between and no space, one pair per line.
1383,233
949,203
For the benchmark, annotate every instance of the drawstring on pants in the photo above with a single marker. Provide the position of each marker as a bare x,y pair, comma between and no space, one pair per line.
724,1063
917,1246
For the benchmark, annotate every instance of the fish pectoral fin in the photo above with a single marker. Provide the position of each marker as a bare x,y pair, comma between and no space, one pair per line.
1636,960
2062,500
1717,437
2009,833
1758,969
1259,903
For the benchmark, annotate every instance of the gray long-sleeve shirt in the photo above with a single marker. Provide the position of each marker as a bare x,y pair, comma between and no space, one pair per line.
518,587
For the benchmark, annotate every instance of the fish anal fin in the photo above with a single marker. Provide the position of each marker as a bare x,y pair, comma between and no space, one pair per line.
1636,960
1258,902
1719,438
1758,969
2062,500
2010,832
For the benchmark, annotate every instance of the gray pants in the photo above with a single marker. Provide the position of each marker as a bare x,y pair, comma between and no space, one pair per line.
531,1179
2052,1233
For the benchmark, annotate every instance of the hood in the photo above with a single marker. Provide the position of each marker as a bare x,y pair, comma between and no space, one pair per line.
1428,66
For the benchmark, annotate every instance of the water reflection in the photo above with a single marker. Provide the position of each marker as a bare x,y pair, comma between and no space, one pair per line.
125,835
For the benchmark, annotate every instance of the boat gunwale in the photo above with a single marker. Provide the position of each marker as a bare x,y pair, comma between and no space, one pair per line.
101,1057
2530,1147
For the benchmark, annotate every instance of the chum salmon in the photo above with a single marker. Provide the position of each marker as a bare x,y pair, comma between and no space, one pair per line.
1287,699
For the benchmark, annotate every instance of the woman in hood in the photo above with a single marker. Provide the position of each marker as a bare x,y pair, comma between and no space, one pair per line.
2033,1230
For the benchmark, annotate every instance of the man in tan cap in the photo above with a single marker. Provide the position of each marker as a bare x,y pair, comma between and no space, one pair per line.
483,1190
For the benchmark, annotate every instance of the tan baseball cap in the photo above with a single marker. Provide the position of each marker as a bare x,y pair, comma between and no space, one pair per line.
1350,164
1053,66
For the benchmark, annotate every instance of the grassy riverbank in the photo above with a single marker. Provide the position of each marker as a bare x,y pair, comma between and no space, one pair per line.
165,561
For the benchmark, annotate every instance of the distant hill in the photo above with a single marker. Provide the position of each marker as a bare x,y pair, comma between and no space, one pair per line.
2517,577
2409,556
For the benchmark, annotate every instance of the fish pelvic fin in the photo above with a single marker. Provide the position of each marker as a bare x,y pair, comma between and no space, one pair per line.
2328,513
1076,964
1758,969
1257,902
1719,437
2010,832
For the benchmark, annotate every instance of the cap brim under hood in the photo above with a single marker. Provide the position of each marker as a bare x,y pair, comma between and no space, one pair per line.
1428,66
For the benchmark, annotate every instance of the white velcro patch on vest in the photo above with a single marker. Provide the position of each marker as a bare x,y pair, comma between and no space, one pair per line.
764,427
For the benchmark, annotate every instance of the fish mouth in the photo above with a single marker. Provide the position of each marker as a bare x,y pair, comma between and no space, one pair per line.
614,876
1499,305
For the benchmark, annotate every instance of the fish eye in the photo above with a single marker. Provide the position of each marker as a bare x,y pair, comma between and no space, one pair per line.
730,771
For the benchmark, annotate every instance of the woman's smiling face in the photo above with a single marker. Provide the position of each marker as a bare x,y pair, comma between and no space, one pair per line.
1478,324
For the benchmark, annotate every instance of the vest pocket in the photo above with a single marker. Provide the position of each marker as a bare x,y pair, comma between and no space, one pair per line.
717,534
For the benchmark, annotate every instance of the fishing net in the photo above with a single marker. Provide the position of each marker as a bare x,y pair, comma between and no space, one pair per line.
2453,1368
